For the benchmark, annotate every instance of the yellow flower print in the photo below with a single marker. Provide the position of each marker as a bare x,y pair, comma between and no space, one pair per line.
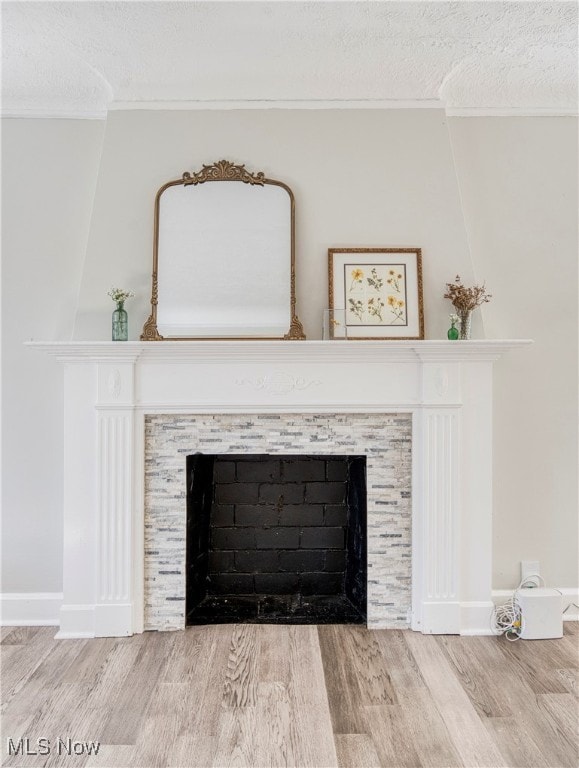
396,307
357,277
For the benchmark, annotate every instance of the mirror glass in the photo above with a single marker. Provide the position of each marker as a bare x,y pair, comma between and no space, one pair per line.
223,261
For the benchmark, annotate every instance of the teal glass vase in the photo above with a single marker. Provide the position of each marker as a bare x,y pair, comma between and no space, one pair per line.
452,331
120,323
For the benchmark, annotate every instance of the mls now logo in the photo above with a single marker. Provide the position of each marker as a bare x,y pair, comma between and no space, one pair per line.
58,746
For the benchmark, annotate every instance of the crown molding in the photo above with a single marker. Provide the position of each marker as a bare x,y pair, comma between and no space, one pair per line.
52,114
512,112
201,104
318,104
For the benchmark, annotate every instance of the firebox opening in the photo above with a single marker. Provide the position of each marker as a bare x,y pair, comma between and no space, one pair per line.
276,539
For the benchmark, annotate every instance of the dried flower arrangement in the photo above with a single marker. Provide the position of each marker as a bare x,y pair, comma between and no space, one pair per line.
466,299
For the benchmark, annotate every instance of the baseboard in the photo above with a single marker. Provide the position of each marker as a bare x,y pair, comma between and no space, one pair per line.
30,609
475,618
440,618
114,620
76,621
570,600
37,609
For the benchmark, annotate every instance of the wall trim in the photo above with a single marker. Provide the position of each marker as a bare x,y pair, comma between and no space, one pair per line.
30,609
40,113
512,112
210,104
570,596
475,618
51,114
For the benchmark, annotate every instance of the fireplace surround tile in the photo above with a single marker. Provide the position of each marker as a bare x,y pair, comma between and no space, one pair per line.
385,439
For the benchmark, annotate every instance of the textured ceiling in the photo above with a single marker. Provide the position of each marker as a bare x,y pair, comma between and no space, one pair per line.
85,57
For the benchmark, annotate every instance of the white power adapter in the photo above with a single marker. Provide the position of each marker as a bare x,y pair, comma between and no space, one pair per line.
541,613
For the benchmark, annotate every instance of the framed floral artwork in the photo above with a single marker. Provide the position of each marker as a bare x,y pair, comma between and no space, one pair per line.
378,292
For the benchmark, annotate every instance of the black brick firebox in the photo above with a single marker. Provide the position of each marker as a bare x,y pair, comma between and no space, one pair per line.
276,539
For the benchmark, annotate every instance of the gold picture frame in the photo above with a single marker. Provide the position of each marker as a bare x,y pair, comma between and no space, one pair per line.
380,292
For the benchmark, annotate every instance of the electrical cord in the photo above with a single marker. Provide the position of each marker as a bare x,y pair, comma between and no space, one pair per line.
507,619
569,606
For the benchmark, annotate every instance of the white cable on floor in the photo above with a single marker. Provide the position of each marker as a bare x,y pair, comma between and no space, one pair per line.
506,618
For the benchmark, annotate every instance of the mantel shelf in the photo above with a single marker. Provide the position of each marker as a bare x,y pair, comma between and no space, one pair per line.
286,351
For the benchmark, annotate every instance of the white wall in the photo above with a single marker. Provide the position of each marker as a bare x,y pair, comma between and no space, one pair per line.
361,178
49,170
518,178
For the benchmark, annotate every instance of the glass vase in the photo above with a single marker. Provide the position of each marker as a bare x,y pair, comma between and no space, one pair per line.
465,317
120,323
452,331
334,324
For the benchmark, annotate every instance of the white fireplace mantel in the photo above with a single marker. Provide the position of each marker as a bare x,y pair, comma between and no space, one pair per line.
109,389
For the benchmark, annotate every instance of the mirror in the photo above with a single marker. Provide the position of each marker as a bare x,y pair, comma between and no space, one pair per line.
223,258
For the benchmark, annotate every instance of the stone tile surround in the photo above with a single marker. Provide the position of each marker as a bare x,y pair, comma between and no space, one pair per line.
386,440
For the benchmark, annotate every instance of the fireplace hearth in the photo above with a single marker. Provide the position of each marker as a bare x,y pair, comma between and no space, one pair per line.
276,539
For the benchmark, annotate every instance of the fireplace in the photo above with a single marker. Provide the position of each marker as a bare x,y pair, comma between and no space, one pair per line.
377,446
276,539
135,411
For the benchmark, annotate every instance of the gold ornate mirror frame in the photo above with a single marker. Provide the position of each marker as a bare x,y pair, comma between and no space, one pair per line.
220,171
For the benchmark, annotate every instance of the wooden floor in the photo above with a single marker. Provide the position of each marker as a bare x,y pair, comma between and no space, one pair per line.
249,695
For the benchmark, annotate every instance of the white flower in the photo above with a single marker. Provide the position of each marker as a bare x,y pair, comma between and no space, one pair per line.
118,294
454,318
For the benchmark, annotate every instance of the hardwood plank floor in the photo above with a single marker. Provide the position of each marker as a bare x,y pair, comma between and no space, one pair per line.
310,697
